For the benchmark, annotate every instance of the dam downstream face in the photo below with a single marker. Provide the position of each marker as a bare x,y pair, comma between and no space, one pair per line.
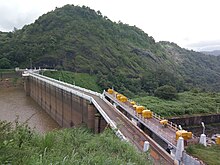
15,104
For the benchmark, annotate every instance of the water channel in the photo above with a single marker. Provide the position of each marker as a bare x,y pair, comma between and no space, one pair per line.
14,104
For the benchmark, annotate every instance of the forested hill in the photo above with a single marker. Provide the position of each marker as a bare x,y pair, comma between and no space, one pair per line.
80,39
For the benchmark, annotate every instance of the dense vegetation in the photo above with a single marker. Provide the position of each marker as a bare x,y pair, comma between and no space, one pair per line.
82,40
188,103
20,145
166,92
210,155
80,79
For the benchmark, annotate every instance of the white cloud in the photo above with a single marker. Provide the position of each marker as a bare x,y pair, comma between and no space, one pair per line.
205,45
180,21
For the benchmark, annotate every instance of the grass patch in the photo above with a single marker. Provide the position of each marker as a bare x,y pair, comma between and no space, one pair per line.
188,103
77,146
210,155
80,79
7,71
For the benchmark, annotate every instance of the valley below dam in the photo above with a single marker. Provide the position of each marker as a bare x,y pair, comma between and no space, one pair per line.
15,105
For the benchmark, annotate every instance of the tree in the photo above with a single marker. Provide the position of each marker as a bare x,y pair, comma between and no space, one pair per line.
4,63
148,82
166,92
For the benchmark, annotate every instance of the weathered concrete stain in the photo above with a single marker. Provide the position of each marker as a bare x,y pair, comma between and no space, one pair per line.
193,123
196,120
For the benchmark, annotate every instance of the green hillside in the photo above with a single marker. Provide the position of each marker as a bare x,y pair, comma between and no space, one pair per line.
188,103
79,39
80,79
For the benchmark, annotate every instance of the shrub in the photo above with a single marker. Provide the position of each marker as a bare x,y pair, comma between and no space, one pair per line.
166,92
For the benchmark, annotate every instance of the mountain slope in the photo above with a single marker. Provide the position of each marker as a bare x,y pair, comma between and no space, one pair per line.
79,39
214,52
197,70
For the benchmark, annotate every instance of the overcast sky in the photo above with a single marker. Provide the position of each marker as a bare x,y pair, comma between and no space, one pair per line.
193,24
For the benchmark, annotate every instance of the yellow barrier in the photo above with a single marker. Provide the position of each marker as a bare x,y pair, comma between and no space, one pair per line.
217,140
118,96
134,106
133,102
147,114
123,99
185,134
164,122
139,109
110,91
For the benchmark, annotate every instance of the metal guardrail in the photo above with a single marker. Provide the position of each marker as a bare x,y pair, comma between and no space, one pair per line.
170,124
158,117
69,85
141,120
61,87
